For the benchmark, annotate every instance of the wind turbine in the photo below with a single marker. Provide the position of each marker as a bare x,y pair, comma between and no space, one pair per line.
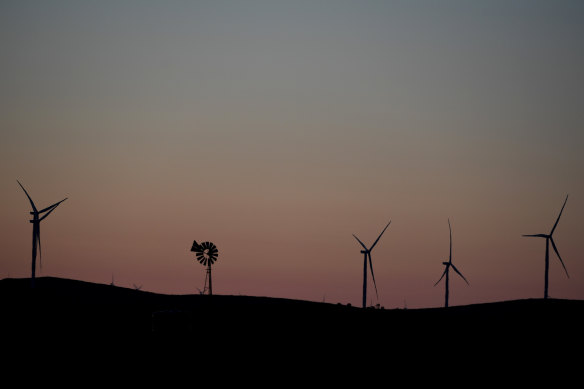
449,265
36,229
367,253
548,239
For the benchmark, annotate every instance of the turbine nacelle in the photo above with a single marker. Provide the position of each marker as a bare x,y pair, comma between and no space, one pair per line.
538,236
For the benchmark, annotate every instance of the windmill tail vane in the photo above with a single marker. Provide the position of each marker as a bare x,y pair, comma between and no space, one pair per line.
195,246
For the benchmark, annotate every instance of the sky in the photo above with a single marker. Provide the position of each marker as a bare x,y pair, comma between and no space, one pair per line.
277,129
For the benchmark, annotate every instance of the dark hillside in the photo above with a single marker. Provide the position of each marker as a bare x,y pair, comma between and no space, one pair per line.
68,308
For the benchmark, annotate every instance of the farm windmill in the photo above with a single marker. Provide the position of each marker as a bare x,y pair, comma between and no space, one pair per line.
207,254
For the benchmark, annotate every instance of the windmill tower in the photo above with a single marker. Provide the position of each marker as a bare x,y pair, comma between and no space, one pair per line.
207,254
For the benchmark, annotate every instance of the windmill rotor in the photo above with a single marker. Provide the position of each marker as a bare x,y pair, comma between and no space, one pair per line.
206,253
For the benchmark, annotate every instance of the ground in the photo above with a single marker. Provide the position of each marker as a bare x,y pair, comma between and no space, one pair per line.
69,312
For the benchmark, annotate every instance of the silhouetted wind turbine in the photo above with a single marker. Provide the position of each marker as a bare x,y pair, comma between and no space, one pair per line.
548,239
449,265
367,253
36,229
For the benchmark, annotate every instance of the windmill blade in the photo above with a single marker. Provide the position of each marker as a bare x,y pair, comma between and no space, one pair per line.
377,240
560,215
51,207
373,275
29,199
558,254
459,273
443,274
450,229
362,244
536,236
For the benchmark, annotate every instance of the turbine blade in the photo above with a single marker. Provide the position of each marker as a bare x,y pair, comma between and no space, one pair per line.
450,229
51,207
536,236
362,244
558,254
377,240
372,275
459,273
443,274
560,215
29,199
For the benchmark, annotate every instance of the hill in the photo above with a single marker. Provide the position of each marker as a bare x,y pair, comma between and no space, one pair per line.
69,308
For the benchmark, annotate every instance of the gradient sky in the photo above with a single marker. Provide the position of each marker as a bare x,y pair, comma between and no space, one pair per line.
276,129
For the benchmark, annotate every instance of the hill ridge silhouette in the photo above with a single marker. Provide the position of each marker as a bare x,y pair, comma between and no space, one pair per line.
67,309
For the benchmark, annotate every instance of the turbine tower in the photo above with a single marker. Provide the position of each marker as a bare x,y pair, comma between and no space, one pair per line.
549,238
449,265
207,254
367,253
36,229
